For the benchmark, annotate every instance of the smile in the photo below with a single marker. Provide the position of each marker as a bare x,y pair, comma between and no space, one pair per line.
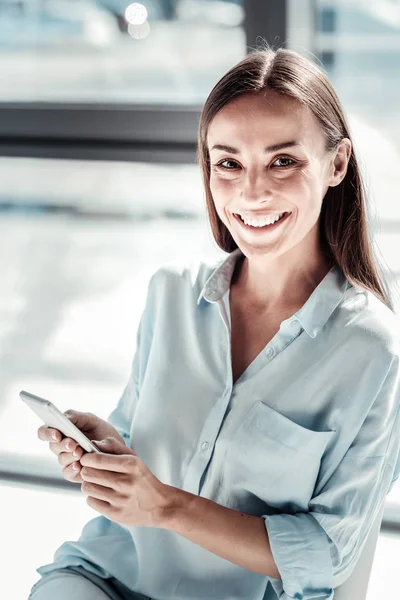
262,228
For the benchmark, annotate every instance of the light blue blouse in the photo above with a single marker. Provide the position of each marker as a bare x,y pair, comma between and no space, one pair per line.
307,438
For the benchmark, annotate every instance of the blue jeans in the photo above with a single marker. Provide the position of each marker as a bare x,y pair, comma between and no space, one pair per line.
78,584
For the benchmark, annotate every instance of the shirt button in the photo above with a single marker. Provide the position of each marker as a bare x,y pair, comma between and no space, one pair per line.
294,325
204,445
270,352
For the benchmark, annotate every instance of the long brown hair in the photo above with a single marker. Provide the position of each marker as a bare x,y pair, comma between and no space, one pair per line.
344,234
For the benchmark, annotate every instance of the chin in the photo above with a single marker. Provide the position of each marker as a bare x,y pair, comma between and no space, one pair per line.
250,250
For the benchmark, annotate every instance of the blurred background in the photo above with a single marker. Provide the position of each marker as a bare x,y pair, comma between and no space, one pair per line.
99,108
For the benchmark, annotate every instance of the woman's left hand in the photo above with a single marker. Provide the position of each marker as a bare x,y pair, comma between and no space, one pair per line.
121,487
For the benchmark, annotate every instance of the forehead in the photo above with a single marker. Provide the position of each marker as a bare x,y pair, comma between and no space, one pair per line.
267,116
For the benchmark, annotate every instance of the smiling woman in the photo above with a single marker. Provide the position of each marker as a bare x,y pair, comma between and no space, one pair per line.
289,151
262,440
266,183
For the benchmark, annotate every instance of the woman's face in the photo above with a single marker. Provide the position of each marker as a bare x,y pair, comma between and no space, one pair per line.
254,177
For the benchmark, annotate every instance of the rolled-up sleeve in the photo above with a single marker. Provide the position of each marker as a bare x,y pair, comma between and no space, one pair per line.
316,551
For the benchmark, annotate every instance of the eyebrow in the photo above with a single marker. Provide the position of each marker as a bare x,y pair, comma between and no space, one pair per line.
272,148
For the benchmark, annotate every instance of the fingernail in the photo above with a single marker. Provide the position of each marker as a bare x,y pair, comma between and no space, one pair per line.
54,436
75,467
99,443
75,454
68,445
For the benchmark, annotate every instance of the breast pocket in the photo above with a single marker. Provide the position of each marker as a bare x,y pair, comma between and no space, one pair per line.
273,458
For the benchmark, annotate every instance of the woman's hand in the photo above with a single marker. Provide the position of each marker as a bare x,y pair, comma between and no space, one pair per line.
67,450
121,487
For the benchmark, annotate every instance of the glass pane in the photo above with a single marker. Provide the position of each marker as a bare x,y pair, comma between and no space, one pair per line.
358,42
87,50
75,262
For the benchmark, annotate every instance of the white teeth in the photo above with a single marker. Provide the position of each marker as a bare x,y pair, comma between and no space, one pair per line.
261,222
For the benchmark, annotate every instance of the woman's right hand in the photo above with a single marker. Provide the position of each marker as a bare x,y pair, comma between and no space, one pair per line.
67,450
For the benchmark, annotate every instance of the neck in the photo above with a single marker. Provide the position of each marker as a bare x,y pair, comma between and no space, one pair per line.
274,286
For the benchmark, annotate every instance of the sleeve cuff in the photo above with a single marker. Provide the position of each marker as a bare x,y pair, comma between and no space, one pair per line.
300,548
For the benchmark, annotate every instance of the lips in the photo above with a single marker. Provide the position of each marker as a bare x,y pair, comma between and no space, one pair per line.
260,217
265,228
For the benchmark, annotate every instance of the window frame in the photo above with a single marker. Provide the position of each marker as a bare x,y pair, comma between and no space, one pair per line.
99,131
122,131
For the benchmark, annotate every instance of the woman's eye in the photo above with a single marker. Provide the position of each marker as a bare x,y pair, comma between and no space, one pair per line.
226,160
284,158
287,162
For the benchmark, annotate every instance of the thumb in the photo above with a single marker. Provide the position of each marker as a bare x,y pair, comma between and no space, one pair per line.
72,415
83,420
112,445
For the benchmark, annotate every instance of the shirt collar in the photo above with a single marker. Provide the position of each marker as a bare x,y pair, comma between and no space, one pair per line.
312,315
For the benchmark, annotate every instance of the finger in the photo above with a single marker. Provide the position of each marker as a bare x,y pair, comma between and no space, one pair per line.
97,491
47,434
66,445
119,463
78,453
67,458
83,420
104,478
100,506
69,444
71,474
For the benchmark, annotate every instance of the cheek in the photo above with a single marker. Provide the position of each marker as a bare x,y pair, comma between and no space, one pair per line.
297,181
312,180
223,193
303,189
221,189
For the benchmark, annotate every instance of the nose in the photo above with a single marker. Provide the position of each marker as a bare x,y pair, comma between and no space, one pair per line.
256,191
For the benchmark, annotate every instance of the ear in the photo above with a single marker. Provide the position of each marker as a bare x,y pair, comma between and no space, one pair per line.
339,162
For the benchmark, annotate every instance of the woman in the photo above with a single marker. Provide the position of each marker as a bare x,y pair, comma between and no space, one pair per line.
258,435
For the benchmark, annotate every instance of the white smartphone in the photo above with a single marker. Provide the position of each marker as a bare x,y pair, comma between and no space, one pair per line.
52,417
